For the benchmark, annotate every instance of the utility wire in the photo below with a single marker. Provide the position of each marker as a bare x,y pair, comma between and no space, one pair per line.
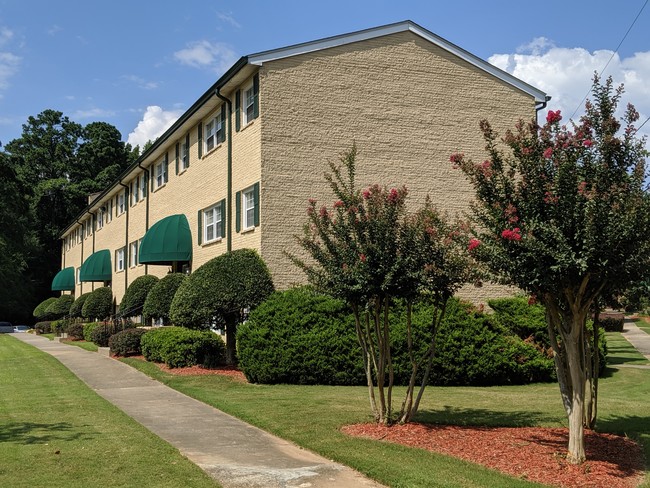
612,57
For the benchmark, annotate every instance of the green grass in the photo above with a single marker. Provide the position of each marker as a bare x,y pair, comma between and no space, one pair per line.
56,432
643,325
311,416
88,346
620,351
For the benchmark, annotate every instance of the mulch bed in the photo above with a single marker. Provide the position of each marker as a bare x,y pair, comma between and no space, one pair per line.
531,453
230,371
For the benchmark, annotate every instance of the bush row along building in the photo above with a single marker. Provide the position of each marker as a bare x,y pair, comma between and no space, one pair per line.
236,170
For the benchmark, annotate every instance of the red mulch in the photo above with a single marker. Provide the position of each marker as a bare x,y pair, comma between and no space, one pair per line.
531,453
231,371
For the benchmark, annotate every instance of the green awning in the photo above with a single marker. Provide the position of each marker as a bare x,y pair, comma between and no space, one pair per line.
167,241
97,267
64,280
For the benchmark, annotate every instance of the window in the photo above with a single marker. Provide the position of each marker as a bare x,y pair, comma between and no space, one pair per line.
133,254
108,214
100,219
249,105
212,223
161,174
143,187
119,259
249,208
214,132
121,204
135,190
185,155
89,227
77,276
79,233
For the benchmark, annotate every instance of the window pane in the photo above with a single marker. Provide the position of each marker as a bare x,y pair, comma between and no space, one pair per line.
209,233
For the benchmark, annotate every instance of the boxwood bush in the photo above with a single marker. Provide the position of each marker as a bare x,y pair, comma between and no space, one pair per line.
126,342
60,307
178,347
40,311
75,331
88,329
101,334
301,337
77,306
136,294
160,297
43,327
99,304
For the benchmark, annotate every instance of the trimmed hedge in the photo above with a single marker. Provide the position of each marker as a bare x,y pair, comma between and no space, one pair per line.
43,327
75,331
301,337
60,307
137,292
77,306
126,342
99,304
88,329
160,297
179,347
41,309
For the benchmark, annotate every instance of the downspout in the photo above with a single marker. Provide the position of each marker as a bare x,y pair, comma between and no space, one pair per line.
541,106
126,236
81,283
146,215
229,178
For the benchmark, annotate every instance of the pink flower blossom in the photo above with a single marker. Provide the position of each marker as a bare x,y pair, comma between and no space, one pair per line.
582,187
362,258
310,210
473,244
511,214
532,300
553,117
587,142
338,204
511,235
456,158
549,198
393,195
486,168
366,194
548,152
323,212
312,201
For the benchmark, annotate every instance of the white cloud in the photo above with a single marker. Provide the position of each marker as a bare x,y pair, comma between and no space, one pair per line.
54,30
205,54
154,122
6,35
9,64
141,82
227,17
566,75
93,113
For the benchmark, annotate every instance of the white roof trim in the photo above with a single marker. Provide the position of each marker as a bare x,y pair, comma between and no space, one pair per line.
341,40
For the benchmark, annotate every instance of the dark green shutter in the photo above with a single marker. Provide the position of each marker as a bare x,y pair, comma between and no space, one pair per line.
256,97
187,149
153,176
200,233
166,167
237,211
237,110
223,217
177,154
145,187
223,123
256,203
200,134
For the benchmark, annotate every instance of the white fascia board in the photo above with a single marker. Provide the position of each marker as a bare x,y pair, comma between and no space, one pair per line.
341,40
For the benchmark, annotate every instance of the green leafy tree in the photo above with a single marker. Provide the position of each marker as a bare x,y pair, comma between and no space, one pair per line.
225,288
60,307
563,213
160,297
367,251
77,306
136,294
40,312
99,304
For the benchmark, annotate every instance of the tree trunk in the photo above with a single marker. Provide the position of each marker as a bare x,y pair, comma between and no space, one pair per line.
575,359
231,339
367,363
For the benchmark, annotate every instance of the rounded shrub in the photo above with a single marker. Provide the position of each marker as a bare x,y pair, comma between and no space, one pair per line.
136,294
160,297
60,307
88,329
179,347
126,342
43,327
75,331
99,304
300,336
40,311
101,334
77,306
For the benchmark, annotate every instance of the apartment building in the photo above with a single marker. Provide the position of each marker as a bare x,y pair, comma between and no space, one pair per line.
236,170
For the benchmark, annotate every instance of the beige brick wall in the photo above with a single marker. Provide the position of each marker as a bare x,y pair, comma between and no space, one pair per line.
406,103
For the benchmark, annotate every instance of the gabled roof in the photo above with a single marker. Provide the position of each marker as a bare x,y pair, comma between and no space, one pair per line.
385,30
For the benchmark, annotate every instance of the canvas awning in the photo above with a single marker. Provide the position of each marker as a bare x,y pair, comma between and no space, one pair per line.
97,267
64,280
167,241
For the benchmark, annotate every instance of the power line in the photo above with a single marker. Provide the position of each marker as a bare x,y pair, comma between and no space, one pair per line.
612,57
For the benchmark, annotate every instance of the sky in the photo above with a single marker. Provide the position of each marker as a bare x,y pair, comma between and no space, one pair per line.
139,65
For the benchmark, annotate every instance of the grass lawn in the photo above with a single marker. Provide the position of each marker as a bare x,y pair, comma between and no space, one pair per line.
311,416
88,346
643,325
56,432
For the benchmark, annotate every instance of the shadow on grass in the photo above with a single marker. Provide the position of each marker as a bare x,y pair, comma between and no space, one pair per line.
34,433
624,424
483,417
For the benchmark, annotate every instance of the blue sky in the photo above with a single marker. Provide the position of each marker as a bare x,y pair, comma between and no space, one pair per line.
139,64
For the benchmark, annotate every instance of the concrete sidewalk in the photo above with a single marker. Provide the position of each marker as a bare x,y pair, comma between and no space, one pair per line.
234,453
635,336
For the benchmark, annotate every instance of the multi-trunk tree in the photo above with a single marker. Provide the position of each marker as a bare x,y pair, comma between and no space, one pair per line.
562,212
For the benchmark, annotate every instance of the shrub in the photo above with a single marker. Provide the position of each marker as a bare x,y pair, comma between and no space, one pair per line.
299,336
40,311
611,323
58,326
44,327
136,294
75,331
77,306
179,347
160,297
101,334
99,304
88,329
60,307
126,342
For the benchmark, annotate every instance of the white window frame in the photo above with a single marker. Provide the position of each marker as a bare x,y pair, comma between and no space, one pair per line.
77,276
119,259
100,219
133,254
185,156
135,190
215,224
142,186
121,204
89,227
246,105
108,215
160,169
248,213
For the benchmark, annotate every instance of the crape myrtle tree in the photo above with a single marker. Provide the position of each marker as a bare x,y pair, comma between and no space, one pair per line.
563,213
367,250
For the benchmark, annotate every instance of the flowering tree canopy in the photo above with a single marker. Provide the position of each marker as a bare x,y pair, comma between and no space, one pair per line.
562,212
